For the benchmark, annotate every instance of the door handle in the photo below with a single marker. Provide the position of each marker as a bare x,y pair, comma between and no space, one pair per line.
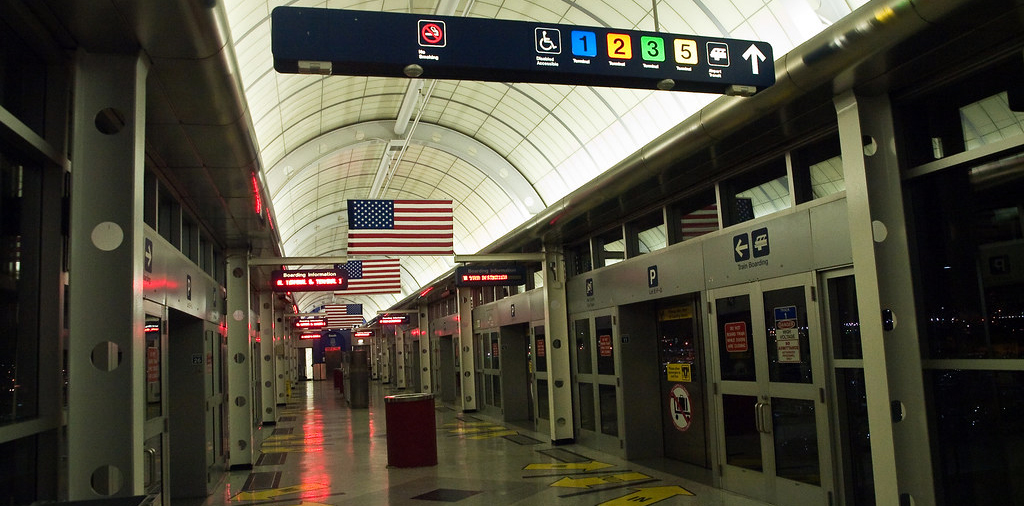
151,457
766,418
757,417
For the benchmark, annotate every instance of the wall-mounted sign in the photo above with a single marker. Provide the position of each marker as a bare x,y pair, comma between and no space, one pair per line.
497,275
310,280
393,320
310,335
736,337
363,333
390,44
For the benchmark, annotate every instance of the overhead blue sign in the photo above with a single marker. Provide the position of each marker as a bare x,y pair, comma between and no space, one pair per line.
389,44
741,247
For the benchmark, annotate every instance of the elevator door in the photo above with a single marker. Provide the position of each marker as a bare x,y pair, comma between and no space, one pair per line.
769,365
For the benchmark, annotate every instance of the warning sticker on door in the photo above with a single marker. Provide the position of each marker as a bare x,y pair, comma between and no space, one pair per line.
736,337
679,407
678,372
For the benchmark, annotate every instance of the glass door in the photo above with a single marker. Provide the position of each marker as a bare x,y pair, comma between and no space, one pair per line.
771,397
595,337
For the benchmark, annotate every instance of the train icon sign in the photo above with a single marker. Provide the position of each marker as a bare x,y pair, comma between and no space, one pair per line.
432,33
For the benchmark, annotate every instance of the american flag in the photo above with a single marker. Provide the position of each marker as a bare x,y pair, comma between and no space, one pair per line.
400,227
744,209
372,276
699,222
344,316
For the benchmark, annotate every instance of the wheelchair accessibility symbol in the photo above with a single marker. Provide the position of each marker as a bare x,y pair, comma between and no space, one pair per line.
548,40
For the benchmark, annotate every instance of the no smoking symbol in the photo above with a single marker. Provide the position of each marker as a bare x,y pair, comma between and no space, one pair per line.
432,33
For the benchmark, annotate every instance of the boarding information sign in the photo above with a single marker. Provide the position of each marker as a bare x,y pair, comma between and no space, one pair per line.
389,44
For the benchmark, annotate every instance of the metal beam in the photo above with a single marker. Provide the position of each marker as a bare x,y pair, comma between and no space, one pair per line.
297,261
501,257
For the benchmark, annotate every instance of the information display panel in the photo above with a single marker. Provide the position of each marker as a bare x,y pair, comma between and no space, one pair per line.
388,44
311,280
497,275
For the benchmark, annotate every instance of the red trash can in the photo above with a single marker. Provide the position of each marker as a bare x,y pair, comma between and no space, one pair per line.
411,430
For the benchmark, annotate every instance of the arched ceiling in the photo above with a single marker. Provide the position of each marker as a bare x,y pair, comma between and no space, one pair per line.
501,151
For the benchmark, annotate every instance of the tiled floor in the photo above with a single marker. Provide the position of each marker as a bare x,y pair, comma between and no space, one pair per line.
321,452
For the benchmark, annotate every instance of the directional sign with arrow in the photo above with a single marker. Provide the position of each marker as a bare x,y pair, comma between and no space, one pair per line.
755,56
741,247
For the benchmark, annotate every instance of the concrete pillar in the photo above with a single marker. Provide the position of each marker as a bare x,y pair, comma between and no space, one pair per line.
900,450
240,417
106,346
556,345
268,389
465,343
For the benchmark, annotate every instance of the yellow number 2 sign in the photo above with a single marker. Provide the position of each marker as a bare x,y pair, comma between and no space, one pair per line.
620,46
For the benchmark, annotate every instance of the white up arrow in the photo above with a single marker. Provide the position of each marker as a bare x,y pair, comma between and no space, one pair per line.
753,54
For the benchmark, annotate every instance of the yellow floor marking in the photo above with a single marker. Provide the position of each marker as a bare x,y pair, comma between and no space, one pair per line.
490,428
262,495
591,481
489,435
466,424
573,466
648,495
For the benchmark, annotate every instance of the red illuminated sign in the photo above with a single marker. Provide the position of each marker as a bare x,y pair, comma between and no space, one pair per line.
314,323
309,336
308,280
393,320
364,333
495,275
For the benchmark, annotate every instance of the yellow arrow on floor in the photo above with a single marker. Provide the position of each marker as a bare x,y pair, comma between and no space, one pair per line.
262,495
591,481
573,466
649,495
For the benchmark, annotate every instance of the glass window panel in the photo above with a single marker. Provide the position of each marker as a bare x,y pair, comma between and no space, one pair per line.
855,438
742,439
20,236
488,392
587,406
763,199
540,349
735,339
990,120
979,434
827,177
785,318
153,368
542,400
968,246
494,351
612,247
19,461
844,318
796,440
496,387
583,347
651,233
609,410
605,345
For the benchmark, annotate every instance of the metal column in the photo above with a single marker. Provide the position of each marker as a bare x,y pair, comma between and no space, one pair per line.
106,347
282,354
426,382
268,389
900,450
465,344
400,358
240,416
556,343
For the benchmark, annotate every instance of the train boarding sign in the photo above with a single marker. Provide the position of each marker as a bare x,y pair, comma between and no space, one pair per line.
391,44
